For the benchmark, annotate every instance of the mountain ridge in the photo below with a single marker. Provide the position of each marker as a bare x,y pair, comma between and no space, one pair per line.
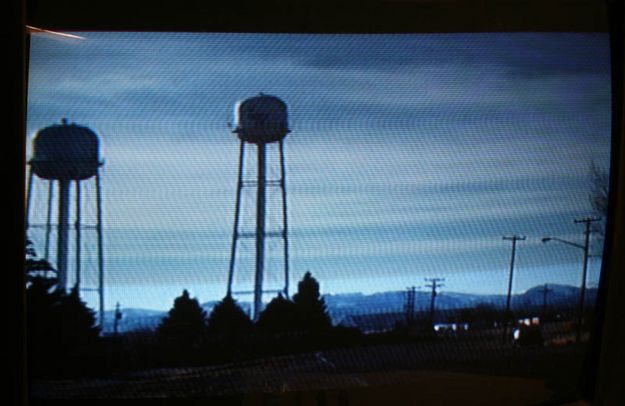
344,304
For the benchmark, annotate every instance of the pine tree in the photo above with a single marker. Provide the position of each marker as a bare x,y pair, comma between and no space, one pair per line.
229,318
185,322
599,196
600,187
36,267
57,324
42,314
279,315
42,318
77,325
310,307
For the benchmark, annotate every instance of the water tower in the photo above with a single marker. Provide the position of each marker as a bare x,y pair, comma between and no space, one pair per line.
62,154
260,120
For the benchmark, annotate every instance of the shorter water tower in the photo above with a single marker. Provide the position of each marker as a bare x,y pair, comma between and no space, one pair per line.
259,121
64,154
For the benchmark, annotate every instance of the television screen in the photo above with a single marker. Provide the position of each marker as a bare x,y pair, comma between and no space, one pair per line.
315,216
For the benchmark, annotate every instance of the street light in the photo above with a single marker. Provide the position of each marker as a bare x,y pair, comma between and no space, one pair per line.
580,310
547,239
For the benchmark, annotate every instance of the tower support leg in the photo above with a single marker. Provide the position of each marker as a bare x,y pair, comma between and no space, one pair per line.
235,232
46,252
260,231
77,226
100,247
285,234
63,235
29,189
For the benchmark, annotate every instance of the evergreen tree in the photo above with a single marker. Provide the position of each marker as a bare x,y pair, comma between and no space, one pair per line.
42,316
41,325
77,324
599,197
229,318
310,307
36,267
185,322
600,187
279,315
56,324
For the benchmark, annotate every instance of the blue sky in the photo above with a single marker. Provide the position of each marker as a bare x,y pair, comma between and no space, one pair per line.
410,156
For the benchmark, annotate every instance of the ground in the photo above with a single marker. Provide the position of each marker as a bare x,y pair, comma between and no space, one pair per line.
438,372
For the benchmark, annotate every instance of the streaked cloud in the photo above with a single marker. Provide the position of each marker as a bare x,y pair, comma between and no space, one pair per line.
408,153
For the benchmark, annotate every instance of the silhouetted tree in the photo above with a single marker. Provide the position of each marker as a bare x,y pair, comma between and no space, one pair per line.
42,317
599,195
185,322
42,302
56,324
279,315
310,307
36,267
228,318
41,325
30,249
77,324
599,179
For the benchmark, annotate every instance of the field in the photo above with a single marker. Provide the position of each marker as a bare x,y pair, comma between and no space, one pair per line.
471,370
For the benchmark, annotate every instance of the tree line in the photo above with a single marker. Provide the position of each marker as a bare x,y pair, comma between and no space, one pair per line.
63,338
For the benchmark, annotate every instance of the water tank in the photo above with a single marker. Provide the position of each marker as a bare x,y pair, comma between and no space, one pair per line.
261,119
65,152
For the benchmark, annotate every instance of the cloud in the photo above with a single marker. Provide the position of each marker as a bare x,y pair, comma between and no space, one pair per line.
405,150
527,54
403,82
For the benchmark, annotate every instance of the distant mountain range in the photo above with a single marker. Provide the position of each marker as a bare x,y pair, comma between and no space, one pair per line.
559,296
341,306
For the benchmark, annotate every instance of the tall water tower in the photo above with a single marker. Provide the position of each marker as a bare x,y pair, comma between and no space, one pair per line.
66,153
260,120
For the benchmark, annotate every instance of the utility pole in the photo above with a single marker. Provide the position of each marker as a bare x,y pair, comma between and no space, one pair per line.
580,311
434,284
410,304
545,291
118,316
514,239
